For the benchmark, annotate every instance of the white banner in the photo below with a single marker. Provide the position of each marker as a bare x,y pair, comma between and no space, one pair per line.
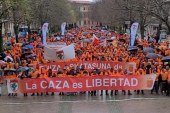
134,29
56,44
12,86
59,53
103,42
63,26
44,33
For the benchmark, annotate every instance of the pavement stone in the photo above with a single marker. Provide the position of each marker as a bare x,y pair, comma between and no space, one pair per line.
86,104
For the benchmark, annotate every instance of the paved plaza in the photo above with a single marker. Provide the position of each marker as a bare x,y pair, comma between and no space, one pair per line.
86,104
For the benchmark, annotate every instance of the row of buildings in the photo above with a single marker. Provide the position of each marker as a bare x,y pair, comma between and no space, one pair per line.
84,8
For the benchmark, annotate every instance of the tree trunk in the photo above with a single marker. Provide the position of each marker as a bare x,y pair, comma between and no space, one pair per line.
16,32
142,31
168,26
29,32
158,32
15,23
1,39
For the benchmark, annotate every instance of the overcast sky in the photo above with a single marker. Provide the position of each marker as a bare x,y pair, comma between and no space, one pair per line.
83,0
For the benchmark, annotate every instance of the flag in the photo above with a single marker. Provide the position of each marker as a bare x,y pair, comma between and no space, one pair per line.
44,33
82,44
95,39
12,86
134,29
103,42
63,26
59,53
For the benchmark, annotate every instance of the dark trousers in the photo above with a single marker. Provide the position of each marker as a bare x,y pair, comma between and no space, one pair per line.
155,87
138,91
111,92
124,91
25,94
93,93
102,92
163,86
116,92
168,89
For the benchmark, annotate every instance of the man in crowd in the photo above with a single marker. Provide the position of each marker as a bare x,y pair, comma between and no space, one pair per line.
89,51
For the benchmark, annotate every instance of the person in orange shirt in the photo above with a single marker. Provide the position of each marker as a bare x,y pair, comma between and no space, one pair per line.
140,72
60,74
155,87
93,73
168,80
119,73
104,73
43,72
125,73
50,75
12,40
164,76
85,73
114,73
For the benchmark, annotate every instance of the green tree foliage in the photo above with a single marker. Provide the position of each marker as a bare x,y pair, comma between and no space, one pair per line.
53,11
35,12
4,13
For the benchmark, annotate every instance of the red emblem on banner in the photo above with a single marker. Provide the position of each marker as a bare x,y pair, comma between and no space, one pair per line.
60,54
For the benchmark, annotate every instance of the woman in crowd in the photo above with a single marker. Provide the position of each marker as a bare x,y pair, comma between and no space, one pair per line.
115,51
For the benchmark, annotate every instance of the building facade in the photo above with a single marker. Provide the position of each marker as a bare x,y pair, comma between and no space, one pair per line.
8,28
84,10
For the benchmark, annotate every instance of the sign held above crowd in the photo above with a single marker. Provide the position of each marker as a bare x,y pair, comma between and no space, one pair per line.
59,52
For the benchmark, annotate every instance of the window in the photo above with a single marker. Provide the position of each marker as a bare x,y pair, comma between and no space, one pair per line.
89,22
84,15
80,23
84,22
154,28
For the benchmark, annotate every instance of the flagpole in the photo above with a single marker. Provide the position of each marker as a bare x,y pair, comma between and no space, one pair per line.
130,32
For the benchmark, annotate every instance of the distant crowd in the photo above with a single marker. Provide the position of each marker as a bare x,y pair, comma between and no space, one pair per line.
23,60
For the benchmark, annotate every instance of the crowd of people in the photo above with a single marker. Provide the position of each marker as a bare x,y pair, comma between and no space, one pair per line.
22,60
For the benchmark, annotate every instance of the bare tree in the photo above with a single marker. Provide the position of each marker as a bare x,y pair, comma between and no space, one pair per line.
142,11
161,10
116,12
53,11
112,12
4,13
